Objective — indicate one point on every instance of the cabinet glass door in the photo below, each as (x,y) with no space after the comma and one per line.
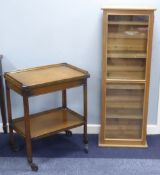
(126,47)
(126,62)
(124,110)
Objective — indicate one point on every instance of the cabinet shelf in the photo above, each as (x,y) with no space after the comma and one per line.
(50,121)
(129,117)
(127,55)
(128,68)
(129,114)
(128,34)
(129,45)
(133,23)
(123,129)
(125,105)
(108,80)
(117,72)
(121,97)
(128,86)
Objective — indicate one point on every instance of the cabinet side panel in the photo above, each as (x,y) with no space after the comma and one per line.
(147,77)
(103,85)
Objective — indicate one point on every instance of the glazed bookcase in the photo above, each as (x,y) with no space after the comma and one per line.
(127,44)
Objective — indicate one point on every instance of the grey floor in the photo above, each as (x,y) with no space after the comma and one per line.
(80,166)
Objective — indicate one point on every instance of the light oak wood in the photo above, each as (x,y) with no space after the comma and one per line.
(135,144)
(127,42)
(136,23)
(123,128)
(124,113)
(128,8)
(125,105)
(126,86)
(124,97)
(103,82)
(137,45)
(148,68)
(128,35)
(121,68)
(124,63)
(129,75)
(115,80)
(127,55)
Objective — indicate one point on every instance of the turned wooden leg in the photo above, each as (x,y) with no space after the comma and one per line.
(64,105)
(85,137)
(13,144)
(2,106)
(28,140)
(64,98)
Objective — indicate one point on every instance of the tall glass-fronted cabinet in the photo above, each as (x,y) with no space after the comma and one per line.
(127,44)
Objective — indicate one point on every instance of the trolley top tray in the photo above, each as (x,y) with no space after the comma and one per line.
(50,74)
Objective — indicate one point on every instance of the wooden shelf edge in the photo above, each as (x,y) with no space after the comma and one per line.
(137,23)
(125,81)
(122,118)
(120,35)
(127,55)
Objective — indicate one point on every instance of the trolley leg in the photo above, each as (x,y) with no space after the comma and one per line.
(12,142)
(68,133)
(64,105)
(28,140)
(64,98)
(85,137)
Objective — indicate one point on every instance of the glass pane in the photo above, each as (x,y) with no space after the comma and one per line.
(126,68)
(124,110)
(127,46)
(134,18)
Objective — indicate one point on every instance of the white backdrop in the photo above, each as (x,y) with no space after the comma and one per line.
(41,32)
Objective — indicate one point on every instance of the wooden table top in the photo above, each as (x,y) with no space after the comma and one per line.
(46,74)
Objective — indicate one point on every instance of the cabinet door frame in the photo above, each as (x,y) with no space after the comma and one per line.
(126,142)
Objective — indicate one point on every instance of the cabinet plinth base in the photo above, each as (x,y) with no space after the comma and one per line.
(122,143)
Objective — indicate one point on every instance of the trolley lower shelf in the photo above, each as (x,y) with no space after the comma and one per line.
(48,122)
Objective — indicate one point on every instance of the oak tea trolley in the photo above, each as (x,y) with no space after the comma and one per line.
(41,80)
